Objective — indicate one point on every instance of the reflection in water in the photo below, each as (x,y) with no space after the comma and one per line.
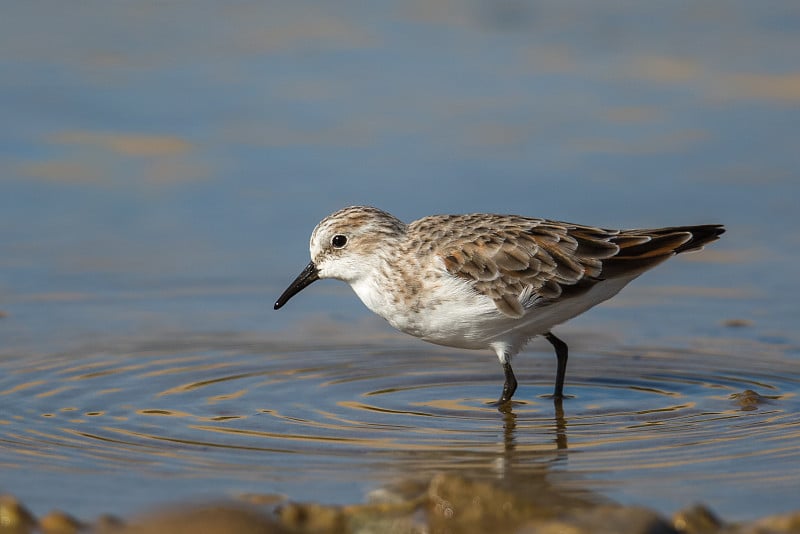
(561,425)
(356,417)
(513,466)
(510,427)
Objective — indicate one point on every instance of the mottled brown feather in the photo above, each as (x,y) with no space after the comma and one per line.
(521,262)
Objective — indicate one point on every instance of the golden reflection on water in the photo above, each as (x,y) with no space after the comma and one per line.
(54,391)
(22,387)
(227,396)
(125,144)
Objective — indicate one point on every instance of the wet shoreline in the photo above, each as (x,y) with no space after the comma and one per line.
(443,504)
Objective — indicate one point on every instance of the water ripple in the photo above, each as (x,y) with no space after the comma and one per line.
(639,416)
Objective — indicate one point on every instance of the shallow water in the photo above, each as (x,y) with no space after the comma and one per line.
(220,415)
(162,168)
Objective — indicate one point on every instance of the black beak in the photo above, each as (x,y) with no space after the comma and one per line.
(309,275)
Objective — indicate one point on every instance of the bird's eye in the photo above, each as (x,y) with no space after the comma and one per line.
(338,241)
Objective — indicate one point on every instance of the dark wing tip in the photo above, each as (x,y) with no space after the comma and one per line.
(637,255)
(701,236)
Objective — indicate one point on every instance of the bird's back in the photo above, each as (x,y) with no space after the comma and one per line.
(522,263)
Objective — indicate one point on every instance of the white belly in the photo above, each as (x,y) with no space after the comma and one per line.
(451,313)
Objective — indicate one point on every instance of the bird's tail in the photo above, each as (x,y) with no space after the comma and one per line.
(693,237)
(642,249)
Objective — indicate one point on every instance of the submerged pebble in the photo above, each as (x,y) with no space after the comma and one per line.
(604,519)
(58,522)
(749,399)
(696,519)
(737,323)
(216,518)
(14,517)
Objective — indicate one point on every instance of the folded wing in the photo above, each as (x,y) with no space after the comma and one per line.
(521,262)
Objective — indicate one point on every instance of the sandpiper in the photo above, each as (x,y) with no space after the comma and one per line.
(482,281)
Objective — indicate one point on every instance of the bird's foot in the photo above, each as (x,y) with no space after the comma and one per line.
(503,405)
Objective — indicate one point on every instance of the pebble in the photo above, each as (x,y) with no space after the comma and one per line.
(447,503)
(14,517)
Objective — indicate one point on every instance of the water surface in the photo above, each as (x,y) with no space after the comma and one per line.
(221,414)
(163,167)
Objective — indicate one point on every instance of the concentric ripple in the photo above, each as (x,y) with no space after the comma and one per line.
(258,416)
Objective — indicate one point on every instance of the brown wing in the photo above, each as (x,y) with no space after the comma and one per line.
(519,262)
(516,261)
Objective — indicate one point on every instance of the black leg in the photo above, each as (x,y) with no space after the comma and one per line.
(510,385)
(561,370)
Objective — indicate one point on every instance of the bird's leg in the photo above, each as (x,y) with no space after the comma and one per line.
(510,385)
(561,370)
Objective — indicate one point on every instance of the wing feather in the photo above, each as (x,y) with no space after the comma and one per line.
(522,262)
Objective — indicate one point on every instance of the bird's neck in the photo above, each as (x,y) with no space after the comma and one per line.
(380,287)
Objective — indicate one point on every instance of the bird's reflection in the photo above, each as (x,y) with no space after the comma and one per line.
(560,424)
(509,429)
(523,465)
(510,426)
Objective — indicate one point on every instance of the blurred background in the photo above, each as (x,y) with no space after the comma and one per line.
(163,164)
(176,157)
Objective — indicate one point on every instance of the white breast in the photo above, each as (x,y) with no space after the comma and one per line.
(448,311)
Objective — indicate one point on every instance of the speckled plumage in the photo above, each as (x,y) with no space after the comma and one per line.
(483,280)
